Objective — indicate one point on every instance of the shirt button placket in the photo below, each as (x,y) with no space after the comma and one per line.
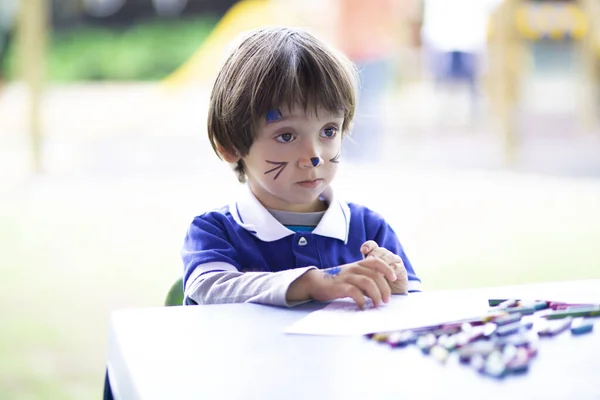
(305,250)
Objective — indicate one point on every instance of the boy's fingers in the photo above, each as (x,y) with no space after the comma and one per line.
(399,269)
(379,265)
(368,247)
(370,289)
(356,295)
(381,282)
(400,286)
(384,287)
(367,286)
(385,255)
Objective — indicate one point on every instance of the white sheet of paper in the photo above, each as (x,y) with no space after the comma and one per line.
(342,317)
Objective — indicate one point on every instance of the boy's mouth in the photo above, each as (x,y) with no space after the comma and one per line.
(310,184)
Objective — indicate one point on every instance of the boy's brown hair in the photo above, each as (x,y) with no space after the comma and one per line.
(270,68)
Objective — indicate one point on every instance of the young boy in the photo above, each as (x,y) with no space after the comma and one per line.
(278,111)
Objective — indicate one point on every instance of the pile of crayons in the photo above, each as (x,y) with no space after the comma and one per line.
(501,343)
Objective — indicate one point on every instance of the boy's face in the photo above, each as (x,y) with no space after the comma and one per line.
(294,157)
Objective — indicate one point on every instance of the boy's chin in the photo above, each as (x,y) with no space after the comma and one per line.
(305,204)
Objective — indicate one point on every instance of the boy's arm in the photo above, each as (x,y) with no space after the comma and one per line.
(286,288)
(212,270)
(224,284)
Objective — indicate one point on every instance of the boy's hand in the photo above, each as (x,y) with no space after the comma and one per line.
(370,249)
(368,277)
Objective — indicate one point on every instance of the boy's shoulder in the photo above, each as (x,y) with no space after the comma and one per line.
(226,217)
(219,221)
(219,211)
(365,219)
(364,213)
(216,215)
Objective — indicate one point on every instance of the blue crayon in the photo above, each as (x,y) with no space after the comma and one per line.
(581,326)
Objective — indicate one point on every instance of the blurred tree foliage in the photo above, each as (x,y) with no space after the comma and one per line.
(146,51)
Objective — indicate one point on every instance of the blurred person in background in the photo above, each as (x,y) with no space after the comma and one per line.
(8,16)
(370,33)
(454,37)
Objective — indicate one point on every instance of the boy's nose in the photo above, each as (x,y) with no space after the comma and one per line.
(311,162)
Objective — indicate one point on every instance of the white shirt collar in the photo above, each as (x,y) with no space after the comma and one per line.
(251,215)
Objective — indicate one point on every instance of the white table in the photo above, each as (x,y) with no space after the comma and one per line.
(238,351)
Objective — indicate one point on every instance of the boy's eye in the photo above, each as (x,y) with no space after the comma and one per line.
(329,132)
(285,137)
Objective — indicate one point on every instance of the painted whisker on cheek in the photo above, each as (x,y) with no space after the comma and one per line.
(280,166)
(336,158)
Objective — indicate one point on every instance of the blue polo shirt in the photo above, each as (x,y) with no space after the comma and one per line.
(244,237)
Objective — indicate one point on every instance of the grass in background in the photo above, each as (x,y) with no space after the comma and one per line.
(66,262)
(147,51)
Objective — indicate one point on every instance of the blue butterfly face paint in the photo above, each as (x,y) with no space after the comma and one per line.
(273,116)
(331,273)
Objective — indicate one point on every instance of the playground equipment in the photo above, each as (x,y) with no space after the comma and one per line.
(31,33)
(245,15)
(516,23)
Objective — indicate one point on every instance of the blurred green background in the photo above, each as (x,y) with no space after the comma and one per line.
(147,51)
(126,165)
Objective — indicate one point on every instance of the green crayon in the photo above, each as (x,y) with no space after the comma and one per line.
(593,311)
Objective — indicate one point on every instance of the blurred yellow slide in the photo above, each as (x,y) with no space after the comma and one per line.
(245,15)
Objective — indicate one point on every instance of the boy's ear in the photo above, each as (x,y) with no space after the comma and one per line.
(230,157)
